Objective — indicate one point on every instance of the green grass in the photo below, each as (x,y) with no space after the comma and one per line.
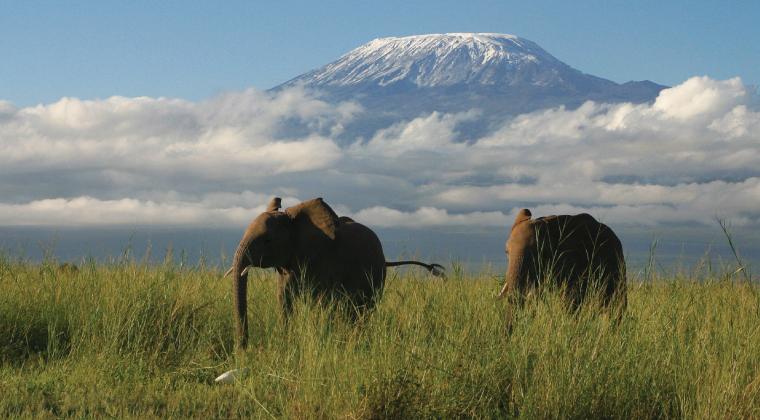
(128,339)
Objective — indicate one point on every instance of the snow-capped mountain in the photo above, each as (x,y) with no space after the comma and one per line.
(401,78)
(442,60)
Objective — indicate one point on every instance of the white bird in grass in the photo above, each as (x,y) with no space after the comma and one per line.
(232,375)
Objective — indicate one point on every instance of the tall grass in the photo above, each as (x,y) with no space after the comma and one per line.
(130,339)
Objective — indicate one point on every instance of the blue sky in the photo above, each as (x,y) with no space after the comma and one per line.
(195,50)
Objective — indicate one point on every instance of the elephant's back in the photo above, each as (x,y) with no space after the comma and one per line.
(580,224)
(361,253)
(359,240)
(584,235)
(604,244)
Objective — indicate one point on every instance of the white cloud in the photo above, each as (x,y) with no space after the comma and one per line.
(170,209)
(739,122)
(693,153)
(702,96)
(429,216)
(228,134)
(425,135)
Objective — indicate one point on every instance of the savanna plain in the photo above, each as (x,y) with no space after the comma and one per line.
(130,338)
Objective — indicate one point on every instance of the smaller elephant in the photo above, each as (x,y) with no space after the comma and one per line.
(578,254)
(312,250)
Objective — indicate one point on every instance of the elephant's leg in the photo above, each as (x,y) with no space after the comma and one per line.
(361,294)
(361,303)
(287,290)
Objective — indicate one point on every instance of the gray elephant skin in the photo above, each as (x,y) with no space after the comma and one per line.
(313,251)
(575,253)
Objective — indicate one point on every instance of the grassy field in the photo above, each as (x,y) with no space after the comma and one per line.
(128,339)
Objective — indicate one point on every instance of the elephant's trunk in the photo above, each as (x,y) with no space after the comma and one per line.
(513,278)
(239,294)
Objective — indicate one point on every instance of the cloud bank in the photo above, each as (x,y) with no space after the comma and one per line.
(692,154)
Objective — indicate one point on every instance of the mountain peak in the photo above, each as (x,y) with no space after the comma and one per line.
(439,60)
(500,75)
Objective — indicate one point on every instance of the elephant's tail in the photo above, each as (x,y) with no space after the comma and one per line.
(435,269)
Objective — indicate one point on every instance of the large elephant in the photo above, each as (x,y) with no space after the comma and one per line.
(577,254)
(311,248)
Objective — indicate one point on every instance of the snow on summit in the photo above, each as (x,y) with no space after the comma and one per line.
(439,60)
(401,78)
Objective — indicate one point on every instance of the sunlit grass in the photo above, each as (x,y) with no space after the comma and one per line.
(129,339)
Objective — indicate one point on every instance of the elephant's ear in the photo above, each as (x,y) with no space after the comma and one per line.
(315,226)
(523,216)
(275,204)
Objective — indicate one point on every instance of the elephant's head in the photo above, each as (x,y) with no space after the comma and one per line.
(288,239)
(522,250)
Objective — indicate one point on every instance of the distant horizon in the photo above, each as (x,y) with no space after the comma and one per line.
(676,249)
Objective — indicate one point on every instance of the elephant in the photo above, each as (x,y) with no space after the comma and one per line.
(576,253)
(312,250)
